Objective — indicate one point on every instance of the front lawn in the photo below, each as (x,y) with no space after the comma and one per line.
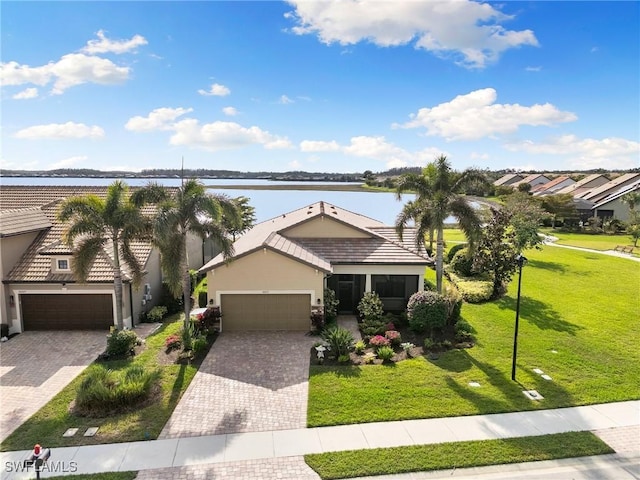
(586,240)
(419,458)
(48,424)
(577,323)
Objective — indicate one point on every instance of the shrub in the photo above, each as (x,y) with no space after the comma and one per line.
(187,335)
(462,263)
(199,344)
(429,285)
(463,331)
(446,344)
(453,300)
(172,342)
(429,343)
(476,290)
(157,313)
(385,353)
(344,358)
(121,342)
(426,311)
(455,249)
(373,327)
(379,341)
(368,357)
(339,340)
(393,336)
(359,347)
(330,305)
(103,390)
(202,299)
(370,306)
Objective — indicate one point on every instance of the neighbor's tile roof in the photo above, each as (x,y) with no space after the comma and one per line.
(25,220)
(36,262)
(381,246)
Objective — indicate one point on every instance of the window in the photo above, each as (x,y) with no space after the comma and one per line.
(389,285)
(63,264)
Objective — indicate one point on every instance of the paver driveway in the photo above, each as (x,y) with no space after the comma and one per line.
(35,366)
(249,381)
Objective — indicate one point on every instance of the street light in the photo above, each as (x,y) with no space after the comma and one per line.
(521,259)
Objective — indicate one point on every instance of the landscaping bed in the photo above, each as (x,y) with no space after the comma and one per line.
(140,421)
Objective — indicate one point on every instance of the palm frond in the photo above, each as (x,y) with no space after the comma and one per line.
(84,256)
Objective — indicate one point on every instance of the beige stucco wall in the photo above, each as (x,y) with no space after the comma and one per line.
(264,271)
(324,227)
(154,278)
(11,249)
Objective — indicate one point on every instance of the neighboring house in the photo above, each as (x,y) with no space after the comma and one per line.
(587,183)
(39,291)
(598,194)
(552,187)
(508,180)
(613,206)
(282,266)
(533,180)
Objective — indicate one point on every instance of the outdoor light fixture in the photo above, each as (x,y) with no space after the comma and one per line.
(521,260)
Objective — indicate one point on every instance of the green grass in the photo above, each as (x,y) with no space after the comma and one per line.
(99,476)
(390,461)
(48,424)
(582,305)
(585,240)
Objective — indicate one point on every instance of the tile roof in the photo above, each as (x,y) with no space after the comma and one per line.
(36,262)
(551,186)
(19,221)
(382,244)
(582,185)
(508,179)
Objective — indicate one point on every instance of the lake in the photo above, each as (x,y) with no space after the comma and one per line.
(381,206)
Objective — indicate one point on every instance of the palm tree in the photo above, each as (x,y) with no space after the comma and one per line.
(437,197)
(96,224)
(188,210)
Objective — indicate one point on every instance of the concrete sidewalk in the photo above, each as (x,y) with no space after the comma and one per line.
(217,449)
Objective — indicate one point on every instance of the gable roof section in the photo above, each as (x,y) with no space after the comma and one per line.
(584,183)
(551,186)
(20,221)
(35,263)
(322,252)
(618,193)
(601,192)
(508,179)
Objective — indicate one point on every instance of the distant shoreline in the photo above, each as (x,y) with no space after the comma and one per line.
(294,186)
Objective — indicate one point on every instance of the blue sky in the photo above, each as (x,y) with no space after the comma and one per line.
(320,86)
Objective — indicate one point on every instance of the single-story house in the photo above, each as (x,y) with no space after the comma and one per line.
(508,180)
(39,291)
(534,179)
(587,183)
(282,266)
(553,186)
(598,194)
(613,206)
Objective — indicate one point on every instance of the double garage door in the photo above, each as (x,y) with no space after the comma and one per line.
(66,312)
(244,312)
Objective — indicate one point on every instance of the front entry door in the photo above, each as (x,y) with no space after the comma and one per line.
(345,295)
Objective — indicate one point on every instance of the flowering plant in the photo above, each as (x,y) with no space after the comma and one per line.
(393,336)
(379,341)
(172,342)
(390,326)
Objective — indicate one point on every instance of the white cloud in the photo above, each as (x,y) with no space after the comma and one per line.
(68,162)
(26,94)
(479,156)
(230,111)
(533,69)
(476,115)
(585,153)
(284,100)
(216,90)
(319,146)
(469,32)
(72,69)
(223,135)
(158,119)
(106,45)
(54,131)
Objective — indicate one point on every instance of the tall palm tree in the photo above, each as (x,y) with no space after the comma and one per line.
(189,209)
(437,197)
(95,224)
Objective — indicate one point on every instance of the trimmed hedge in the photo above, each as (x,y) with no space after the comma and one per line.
(473,290)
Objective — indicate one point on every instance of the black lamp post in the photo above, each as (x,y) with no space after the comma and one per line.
(521,261)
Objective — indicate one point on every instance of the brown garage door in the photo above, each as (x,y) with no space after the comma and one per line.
(265,312)
(66,312)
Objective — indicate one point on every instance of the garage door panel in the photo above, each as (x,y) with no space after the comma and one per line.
(244,312)
(66,312)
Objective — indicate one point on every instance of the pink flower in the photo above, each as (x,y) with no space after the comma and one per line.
(379,341)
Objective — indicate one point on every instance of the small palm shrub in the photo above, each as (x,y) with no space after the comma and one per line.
(104,390)
(426,311)
(121,342)
(359,347)
(385,353)
(370,306)
(339,340)
(186,335)
(453,300)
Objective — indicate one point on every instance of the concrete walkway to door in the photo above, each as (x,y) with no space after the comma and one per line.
(249,382)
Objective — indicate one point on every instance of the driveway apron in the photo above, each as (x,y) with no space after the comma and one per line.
(249,381)
(35,366)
